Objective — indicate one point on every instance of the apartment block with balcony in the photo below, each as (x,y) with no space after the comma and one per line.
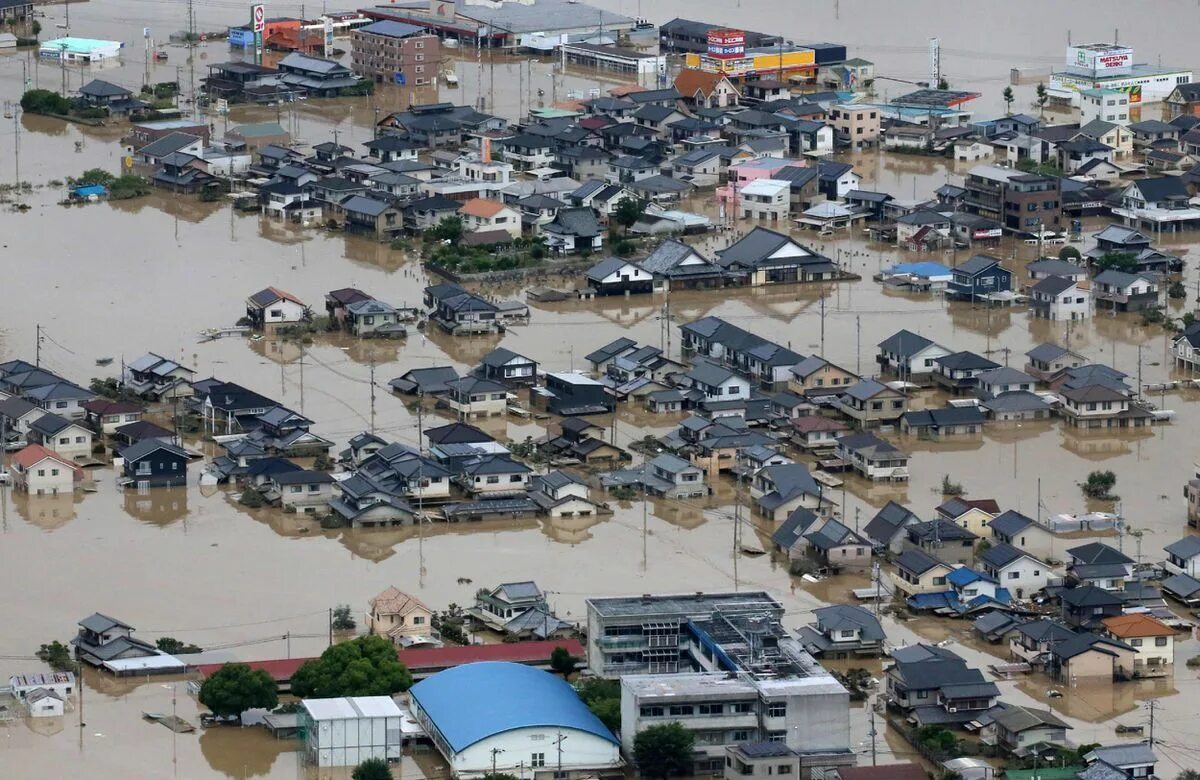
(389,51)
(1021,202)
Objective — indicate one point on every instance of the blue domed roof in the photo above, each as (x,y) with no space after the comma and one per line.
(475,701)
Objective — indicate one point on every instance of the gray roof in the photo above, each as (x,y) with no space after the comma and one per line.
(579,222)
(1098,552)
(1045,630)
(499,356)
(865,389)
(1000,555)
(710,374)
(1123,756)
(753,248)
(917,561)
(1182,586)
(950,415)
(834,534)
(147,446)
(665,259)
(1046,352)
(850,616)
(1005,375)
(1053,285)
(98,87)
(904,343)
(1187,547)
(793,528)
(1014,401)
(889,521)
(1017,719)
(961,361)
(363,204)
(168,144)
(605,267)
(1009,523)
(977,264)
(99,623)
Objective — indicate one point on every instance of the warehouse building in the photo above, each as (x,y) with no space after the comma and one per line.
(497,717)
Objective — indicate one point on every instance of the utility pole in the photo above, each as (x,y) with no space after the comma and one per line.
(331,626)
(17,146)
(872,733)
(822,321)
(37,359)
(875,572)
(495,751)
(561,736)
(1152,705)
(191,10)
(857,345)
(372,395)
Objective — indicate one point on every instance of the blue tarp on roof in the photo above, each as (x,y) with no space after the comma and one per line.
(920,269)
(88,190)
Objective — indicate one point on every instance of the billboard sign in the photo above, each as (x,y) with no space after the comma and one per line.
(979,235)
(258,15)
(328,37)
(1101,59)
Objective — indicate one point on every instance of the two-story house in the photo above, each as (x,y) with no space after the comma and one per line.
(873,458)
(1099,564)
(843,631)
(1085,607)
(778,490)
(507,367)
(919,572)
(1152,640)
(718,383)
(869,404)
(1120,291)
(910,357)
(399,617)
(475,397)
(979,278)
(1183,556)
(1015,529)
(958,371)
(933,685)
(1016,570)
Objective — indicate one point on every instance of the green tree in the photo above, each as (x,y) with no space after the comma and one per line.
(343,618)
(58,656)
(96,176)
(1188,774)
(943,84)
(35,28)
(372,769)
(1007,94)
(1176,291)
(366,666)
(663,751)
(627,213)
(1099,484)
(1042,97)
(43,101)
(235,688)
(1069,254)
(172,646)
(1117,261)
(449,229)
(936,739)
(562,662)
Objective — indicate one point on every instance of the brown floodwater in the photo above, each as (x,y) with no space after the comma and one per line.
(124,278)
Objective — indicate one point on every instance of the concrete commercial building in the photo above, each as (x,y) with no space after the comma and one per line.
(752,682)
(505,717)
(644,634)
(347,731)
(1021,202)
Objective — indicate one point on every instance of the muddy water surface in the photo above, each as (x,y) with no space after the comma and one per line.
(124,278)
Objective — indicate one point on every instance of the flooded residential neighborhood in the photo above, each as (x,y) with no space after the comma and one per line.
(548,389)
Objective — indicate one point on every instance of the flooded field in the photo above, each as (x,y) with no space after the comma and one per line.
(124,278)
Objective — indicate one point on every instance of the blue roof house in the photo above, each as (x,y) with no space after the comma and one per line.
(506,717)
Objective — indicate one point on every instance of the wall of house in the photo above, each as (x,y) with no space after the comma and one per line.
(283,311)
(486,407)
(1149,653)
(41,479)
(306,498)
(71,443)
(1090,665)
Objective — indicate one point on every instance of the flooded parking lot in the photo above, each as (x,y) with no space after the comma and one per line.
(119,279)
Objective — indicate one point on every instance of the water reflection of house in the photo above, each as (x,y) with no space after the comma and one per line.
(160,507)
(47,512)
